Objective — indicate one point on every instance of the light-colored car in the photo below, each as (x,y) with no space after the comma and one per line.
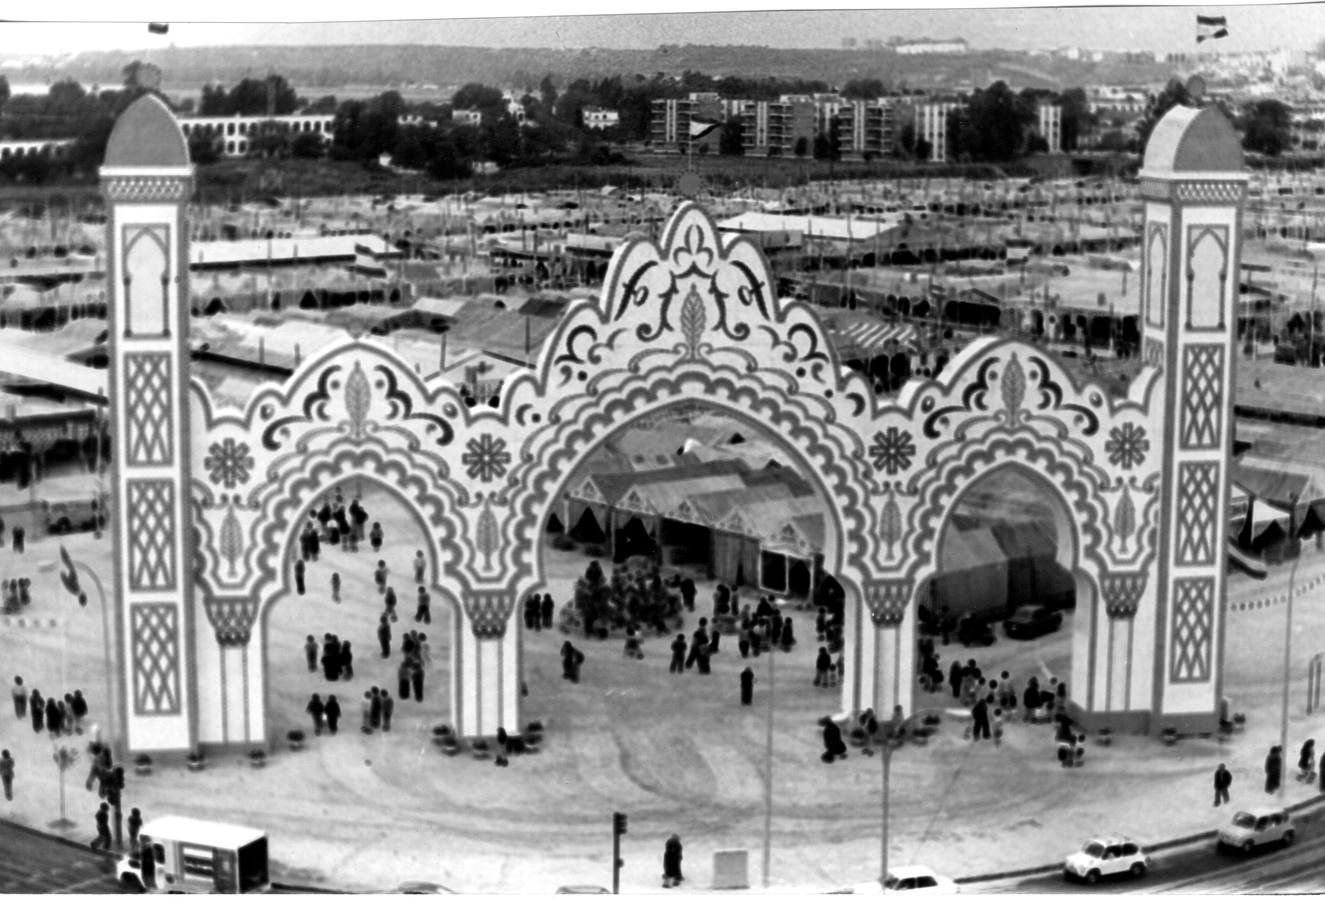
(1102,857)
(906,880)
(1257,827)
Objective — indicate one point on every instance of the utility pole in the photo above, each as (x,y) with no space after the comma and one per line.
(618,829)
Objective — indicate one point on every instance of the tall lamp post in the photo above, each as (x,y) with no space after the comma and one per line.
(1288,638)
(69,578)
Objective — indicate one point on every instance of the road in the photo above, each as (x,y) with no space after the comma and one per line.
(1199,868)
(33,863)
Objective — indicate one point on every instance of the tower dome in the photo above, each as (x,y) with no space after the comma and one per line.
(146,134)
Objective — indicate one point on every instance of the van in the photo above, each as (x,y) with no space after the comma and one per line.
(197,857)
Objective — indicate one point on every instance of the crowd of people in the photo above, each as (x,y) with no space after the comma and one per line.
(337,524)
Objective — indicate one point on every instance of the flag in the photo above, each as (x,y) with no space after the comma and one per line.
(699,128)
(158,27)
(1210,27)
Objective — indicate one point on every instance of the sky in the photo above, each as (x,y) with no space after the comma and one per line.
(1032,25)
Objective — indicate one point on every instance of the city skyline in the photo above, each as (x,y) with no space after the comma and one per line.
(1166,28)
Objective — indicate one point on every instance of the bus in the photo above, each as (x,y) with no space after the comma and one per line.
(196,857)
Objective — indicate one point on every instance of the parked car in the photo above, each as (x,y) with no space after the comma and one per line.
(1257,827)
(906,880)
(1032,620)
(1102,857)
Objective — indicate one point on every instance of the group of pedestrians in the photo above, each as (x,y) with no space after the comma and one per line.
(15,593)
(55,716)
(538,610)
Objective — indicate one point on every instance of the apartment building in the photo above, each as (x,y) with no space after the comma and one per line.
(931,125)
(776,127)
(867,129)
(1049,125)
(669,125)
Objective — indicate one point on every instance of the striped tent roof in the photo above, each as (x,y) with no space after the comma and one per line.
(870,338)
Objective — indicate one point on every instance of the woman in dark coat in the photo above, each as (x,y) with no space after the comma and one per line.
(332,711)
(834,746)
(346,661)
(1274,769)
(316,710)
(672,862)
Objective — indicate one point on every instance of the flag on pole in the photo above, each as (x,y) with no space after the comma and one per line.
(699,128)
(1210,28)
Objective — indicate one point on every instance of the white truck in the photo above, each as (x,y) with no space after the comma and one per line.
(191,856)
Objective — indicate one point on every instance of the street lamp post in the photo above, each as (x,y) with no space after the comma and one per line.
(70,578)
(768,770)
(1288,643)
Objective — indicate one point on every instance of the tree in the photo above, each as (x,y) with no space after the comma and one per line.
(802,147)
(1078,120)
(547,94)
(322,105)
(307,145)
(1174,94)
(258,97)
(863,89)
(998,121)
(1267,127)
(486,99)
(203,149)
(4,91)
(730,138)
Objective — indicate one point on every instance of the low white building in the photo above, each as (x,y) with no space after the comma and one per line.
(57,148)
(600,119)
(234,134)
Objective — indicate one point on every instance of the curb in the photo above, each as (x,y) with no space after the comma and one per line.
(1170,844)
(68,842)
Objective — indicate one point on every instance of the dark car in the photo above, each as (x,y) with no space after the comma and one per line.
(1032,621)
(971,630)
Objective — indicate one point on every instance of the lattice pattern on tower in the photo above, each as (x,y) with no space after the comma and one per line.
(1197,522)
(1193,625)
(1202,395)
(148,415)
(151,534)
(154,632)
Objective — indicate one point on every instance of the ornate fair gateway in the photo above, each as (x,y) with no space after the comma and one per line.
(208,502)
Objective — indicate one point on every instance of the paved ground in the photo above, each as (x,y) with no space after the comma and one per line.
(676,753)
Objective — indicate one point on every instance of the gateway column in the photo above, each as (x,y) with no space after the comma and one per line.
(146,181)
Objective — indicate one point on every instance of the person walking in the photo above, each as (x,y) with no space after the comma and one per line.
(822,663)
(389,604)
(1274,768)
(310,652)
(7,774)
(317,710)
(102,840)
(135,824)
(1306,762)
(366,708)
(379,576)
(78,706)
(38,707)
(147,862)
(546,609)
(834,747)
(331,709)
(420,567)
(747,686)
(672,862)
(375,712)
(422,612)
(19,534)
(678,655)
(1223,781)
(416,680)
(375,537)
(980,720)
(388,707)
(346,662)
(299,568)
(20,695)
(335,587)
(384,635)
